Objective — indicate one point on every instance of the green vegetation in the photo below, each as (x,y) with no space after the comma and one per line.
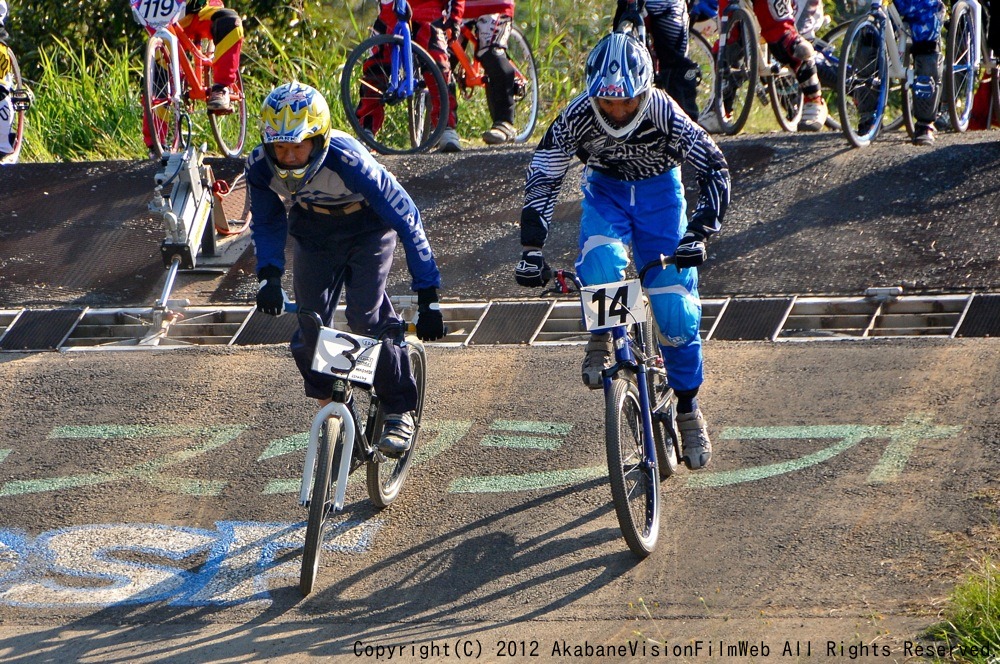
(972,617)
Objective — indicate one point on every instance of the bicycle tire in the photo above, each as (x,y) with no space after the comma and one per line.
(164,121)
(385,480)
(700,53)
(786,98)
(526,93)
(862,75)
(635,485)
(906,98)
(397,133)
(736,74)
(828,49)
(17,121)
(230,129)
(961,76)
(319,503)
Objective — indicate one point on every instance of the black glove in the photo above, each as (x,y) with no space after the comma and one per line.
(532,270)
(691,251)
(430,322)
(270,296)
(449,26)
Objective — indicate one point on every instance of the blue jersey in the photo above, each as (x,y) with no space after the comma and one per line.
(349,174)
(664,139)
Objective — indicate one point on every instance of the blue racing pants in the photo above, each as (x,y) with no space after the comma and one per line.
(650,215)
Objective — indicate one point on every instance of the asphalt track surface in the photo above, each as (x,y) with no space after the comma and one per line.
(150,513)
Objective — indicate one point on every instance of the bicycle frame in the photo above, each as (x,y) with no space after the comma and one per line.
(472,69)
(625,359)
(396,90)
(182,69)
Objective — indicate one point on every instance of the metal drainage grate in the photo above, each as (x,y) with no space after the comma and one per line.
(752,319)
(40,329)
(510,323)
(982,318)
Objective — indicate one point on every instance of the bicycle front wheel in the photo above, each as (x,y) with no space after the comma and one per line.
(319,503)
(381,116)
(786,98)
(827,57)
(386,479)
(736,71)
(661,397)
(700,53)
(12,79)
(961,73)
(230,129)
(635,484)
(862,82)
(161,118)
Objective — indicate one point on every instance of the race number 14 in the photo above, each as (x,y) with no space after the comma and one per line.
(611,305)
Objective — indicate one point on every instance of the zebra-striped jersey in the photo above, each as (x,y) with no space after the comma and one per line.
(664,139)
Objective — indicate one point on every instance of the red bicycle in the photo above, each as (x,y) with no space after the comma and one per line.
(177,76)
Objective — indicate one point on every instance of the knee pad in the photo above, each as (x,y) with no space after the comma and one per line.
(791,50)
(673,296)
(603,260)
(225,21)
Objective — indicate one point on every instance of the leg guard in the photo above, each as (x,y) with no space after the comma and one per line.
(926,86)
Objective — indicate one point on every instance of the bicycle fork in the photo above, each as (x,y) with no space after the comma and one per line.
(333,409)
(625,358)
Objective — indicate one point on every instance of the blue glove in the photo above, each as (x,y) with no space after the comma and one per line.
(271,297)
(532,270)
(691,251)
(430,322)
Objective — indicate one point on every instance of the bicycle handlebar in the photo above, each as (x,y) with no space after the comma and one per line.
(388,330)
(565,282)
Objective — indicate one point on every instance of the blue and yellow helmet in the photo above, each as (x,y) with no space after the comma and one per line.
(295,113)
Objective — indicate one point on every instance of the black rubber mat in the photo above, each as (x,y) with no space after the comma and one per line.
(264,329)
(40,329)
(751,319)
(982,318)
(510,323)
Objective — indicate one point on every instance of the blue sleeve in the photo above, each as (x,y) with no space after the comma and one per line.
(362,174)
(268,219)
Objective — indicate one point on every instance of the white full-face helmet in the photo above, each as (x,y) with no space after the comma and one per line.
(619,67)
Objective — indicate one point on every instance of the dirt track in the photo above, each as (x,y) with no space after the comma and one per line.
(852,482)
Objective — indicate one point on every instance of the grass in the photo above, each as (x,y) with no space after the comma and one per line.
(972,617)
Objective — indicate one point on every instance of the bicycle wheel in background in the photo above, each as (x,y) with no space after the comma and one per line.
(828,49)
(786,98)
(397,134)
(230,129)
(635,485)
(961,74)
(736,71)
(862,82)
(526,85)
(319,502)
(386,479)
(164,122)
(700,53)
(12,78)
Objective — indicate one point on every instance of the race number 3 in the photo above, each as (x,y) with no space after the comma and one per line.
(611,305)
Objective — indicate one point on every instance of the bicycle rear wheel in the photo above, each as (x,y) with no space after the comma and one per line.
(736,71)
(390,124)
(961,74)
(163,120)
(635,484)
(786,98)
(319,502)
(525,86)
(230,129)
(700,53)
(11,78)
(862,82)
(386,479)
